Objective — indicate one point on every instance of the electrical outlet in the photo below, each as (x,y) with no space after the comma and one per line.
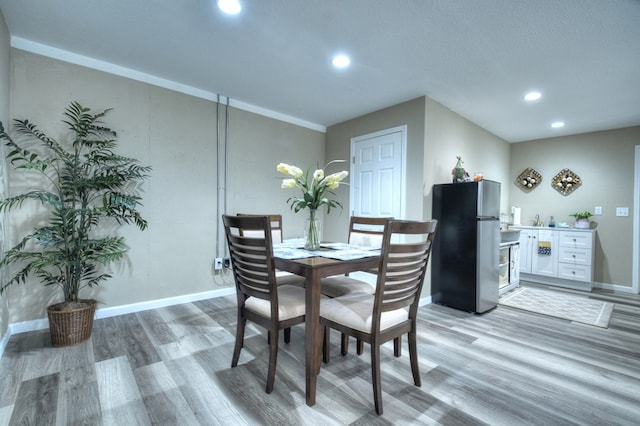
(598,210)
(218,264)
(622,211)
(226,262)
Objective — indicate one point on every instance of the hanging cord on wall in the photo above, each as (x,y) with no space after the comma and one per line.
(218,213)
(226,143)
(221,179)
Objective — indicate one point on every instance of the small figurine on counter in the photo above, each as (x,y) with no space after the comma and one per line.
(459,173)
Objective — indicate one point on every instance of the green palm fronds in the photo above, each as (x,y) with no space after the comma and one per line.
(87,182)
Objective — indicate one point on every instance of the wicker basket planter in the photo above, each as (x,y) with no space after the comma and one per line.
(71,323)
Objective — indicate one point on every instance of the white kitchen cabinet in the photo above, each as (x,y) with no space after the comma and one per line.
(541,263)
(527,238)
(576,256)
(530,261)
(569,263)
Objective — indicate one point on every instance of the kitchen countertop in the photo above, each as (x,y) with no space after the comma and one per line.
(550,228)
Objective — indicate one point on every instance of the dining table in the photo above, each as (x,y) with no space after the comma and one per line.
(314,267)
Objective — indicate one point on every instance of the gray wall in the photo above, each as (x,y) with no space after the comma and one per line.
(436,135)
(176,135)
(605,162)
(338,145)
(255,151)
(4,118)
(448,135)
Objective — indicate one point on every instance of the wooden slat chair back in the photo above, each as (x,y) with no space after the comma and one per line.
(367,231)
(260,299)
(392,310)
(283,278)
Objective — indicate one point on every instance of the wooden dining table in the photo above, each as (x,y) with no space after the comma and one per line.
(314,269)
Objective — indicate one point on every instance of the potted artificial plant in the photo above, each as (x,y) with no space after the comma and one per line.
(83,185)
(582,219)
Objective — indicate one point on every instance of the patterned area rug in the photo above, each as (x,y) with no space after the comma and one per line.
(567,306)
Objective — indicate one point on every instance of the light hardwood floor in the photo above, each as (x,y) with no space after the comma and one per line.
(171,366)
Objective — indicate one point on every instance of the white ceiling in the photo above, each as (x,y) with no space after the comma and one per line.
(476,57)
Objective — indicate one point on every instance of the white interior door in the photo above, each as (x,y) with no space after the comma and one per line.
(378,163)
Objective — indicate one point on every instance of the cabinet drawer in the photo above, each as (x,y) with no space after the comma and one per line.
(574,256)
(575,239)
(574,272)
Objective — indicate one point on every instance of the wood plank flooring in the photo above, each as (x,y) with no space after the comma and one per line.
(171,366)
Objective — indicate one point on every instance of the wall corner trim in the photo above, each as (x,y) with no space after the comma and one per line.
(97,64)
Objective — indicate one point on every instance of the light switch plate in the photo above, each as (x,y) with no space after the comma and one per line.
(622,211)
(598,210)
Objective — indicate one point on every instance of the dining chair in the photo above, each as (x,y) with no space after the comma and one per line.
(283,277)
(392,310)
(364,232)
(260,299)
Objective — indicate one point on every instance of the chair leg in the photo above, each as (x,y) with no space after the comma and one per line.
(239,341)
(360,346)
(326,345)
(375,376)
(413,357)
(287,335)
(344,344)
(273,357)
(397,346)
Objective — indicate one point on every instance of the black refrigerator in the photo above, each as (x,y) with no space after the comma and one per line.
(464,261)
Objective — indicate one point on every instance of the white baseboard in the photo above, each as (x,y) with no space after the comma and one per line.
(557,282)
(425,301)
(614,287)
(3,342)
(43,323)
(161,303)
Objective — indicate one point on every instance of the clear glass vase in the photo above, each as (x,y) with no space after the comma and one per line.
(312,233)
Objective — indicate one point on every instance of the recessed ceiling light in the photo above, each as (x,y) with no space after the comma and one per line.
(532,96)
(341,61)
(231,7)
(557,124)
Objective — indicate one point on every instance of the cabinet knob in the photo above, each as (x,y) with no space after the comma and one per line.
(574,256)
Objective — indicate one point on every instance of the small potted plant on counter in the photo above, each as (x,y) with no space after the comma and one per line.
(582,219)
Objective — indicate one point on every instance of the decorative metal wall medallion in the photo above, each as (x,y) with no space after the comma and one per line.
(566,181)
(528,179)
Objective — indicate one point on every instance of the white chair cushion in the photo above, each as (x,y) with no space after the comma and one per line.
(287,278)
(356,311)
(290,303)
(276,234)
(341,285)
(365,240)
